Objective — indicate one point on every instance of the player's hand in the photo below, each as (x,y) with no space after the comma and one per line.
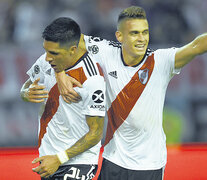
(49,165)
(65,86)
(35,93)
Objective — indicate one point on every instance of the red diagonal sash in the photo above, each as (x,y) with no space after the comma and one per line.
(50,110)
(52,103)
(126,99)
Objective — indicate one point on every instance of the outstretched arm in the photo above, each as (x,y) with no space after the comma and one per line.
(186,53)
(32,92)
(50,164)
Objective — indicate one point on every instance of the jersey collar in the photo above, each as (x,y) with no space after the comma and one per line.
(80,59)
(122,58)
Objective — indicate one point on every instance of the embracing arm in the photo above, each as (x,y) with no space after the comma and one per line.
(65,87)
(49,164)
(186,53)
(66,83)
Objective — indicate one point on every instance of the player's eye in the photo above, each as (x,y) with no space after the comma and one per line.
(134,32)
(53,53)
(145,32)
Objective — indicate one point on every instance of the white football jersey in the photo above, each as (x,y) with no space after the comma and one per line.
(135,98)
(61,124)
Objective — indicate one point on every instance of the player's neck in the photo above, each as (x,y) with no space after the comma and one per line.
(131,60)
(81,44)
(75,58)
(79,53)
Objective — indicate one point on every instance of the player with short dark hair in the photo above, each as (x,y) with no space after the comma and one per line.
(132,12)
(69,134)
(63,30)
(136,80)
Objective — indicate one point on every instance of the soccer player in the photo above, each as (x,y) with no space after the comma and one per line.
(69,134)
(136,81)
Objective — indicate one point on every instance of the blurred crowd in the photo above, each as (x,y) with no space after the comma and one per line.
(171,21)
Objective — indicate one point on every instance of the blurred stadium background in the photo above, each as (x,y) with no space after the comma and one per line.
(172,23)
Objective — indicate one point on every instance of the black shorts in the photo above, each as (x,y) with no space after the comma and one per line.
(74,172)
(111,171)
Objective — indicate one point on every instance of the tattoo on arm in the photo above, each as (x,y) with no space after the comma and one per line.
(90,139)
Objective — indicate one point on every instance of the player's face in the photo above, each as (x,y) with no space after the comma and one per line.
(134,37)
(60,58)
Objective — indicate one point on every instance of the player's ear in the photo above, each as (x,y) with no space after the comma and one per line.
(73,50)
(119,36)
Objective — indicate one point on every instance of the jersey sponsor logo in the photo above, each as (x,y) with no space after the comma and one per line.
(143,75)
(113,74)
(94,49)
(99,107)
(98,96)
(36,69)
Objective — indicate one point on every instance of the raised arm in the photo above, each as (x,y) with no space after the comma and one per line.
(186,53)
(50,164)
(32,92)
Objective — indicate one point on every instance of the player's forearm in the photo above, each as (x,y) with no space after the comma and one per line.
(85,143)
(24,90)
(188,52)
(200,44)
(90,139)
(23,95)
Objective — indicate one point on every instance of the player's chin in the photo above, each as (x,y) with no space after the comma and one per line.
(57,70)
(140,53)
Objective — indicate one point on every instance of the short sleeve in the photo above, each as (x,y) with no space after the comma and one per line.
(165,62)
(93,96)
(37,70)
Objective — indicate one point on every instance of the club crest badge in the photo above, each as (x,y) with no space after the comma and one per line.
(94,49)
(36,69)
(143,75)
